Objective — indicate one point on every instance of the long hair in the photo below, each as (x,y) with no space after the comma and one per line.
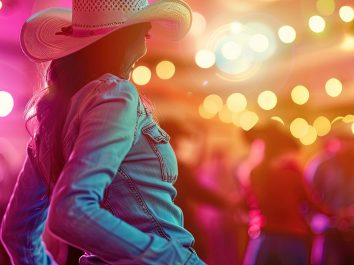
(47,109)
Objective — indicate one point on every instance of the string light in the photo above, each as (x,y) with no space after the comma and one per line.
(259,43)
(236,118)
(278,119)
(165,70)
(346,13)
(6,103)
(236,27)
(212,104)
(326,7)
(236,102)
(317,24)
(299,127)
(287,34)
(310,137)
(300,95)
(348,118)
(334,87)
(205,58)
(347,43)
(204,114)
(322,125)
(267,100)
(231,50)
(248,120)
(141,75)
(225,115)
(198,24)
(338,118)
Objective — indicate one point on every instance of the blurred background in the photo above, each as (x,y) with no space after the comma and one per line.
(246,70)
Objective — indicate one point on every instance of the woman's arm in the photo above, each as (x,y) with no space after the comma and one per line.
(106,135)
(25,216)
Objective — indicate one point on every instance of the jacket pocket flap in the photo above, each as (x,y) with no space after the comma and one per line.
(156,133)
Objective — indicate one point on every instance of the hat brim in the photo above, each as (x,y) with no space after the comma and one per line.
(39,41)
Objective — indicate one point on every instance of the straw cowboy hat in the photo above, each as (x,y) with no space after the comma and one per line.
(56,32)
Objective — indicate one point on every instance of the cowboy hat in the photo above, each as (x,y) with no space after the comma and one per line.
(56,32)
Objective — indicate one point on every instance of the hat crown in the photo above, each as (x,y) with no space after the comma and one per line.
(95,14)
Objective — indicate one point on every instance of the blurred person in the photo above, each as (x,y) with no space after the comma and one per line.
(216,221)
(276,197)
(7,181)
(331,174)
(242,174)
(99,170)
(188,141)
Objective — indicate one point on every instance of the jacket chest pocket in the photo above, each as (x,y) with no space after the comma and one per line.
(159,142)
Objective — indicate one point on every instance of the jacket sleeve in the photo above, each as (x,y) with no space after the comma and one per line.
(25,217)
(106,135)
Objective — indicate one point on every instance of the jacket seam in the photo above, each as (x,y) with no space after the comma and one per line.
(160,158)
(152,144)
(140,200)
(136,124)
(106,203)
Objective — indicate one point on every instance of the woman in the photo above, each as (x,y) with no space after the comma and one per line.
(98,165)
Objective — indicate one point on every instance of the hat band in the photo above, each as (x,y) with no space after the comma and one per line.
(75,32)
(91,32)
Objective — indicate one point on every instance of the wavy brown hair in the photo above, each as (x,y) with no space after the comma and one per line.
(47,110)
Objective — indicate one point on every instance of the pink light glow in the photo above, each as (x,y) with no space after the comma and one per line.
(6,103)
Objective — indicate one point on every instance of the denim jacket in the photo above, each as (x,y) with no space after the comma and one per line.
(114,196)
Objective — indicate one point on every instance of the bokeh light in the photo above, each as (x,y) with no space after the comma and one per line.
(278,119)
(259,43)
(233,56)
(6,103)
(242,66)
(231,50)
(310,137)
(205,58)
(300,94)
(348,118)
(317,24)
(353,127)
(204,114)
(287,34)
(236,118)
(248,119)
(261,40)
(322,125)
(240,49)
(267,100)
(326,7)
(198,24)
(236,102)
(299,127)
(236,27)
(334,87)
(141,75)
(212,104)
(225,115)
(338,118)
(165,70)
(1,5)
(346,13)
(347,43)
